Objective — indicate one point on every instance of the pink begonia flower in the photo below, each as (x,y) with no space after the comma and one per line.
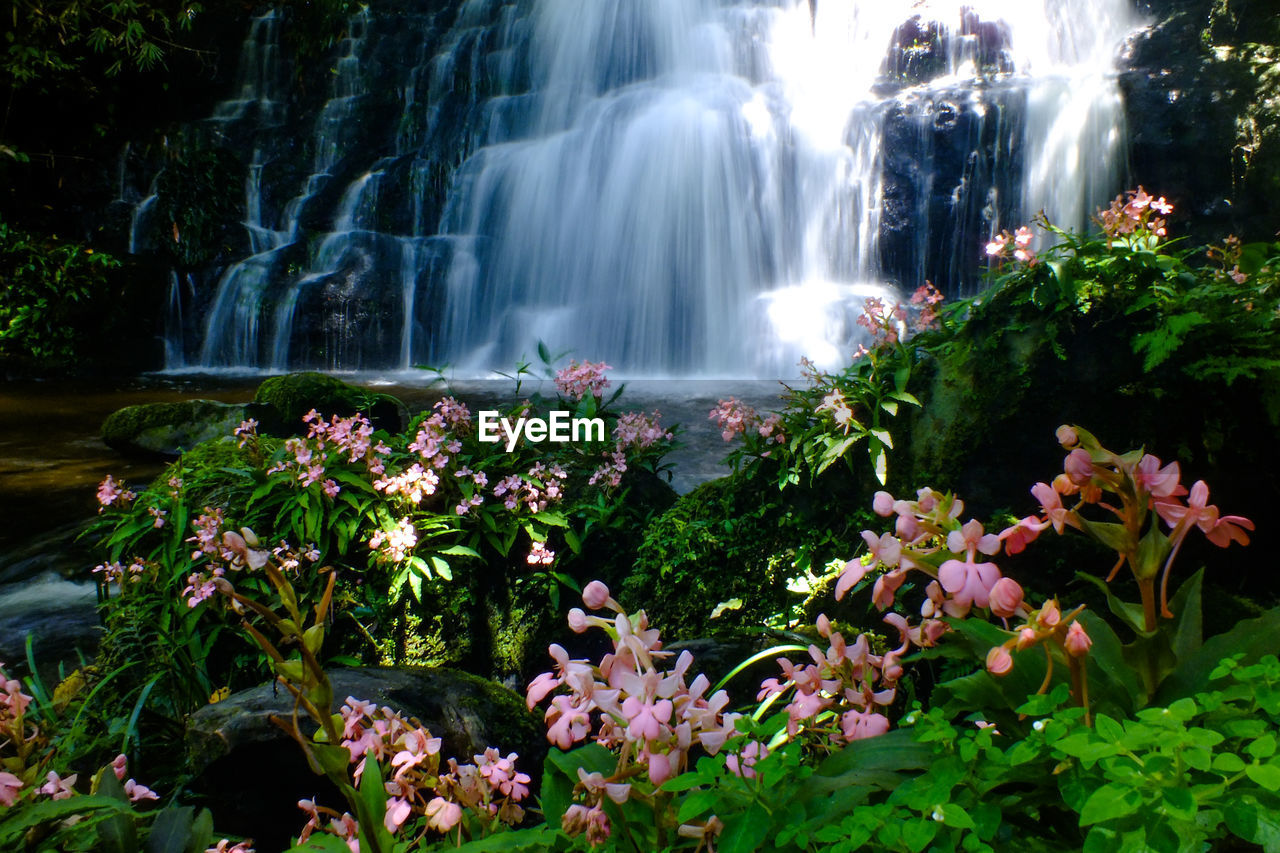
(137,793)
(1077,642)
(969,583)
(595,595)
(885,549)
(57,787)
(1160,482)
(1078,466)
(397,813)
(660,769)
(744,765)
(857,725)
(1051,504)
(9,787)
(1005,598)
(886,586)
(225,846)
(972,538)
(854,571)
(1017,537)
(999,661)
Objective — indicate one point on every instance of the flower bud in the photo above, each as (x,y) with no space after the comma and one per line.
(1078,466)
(1027,638)
(595,595)
(882,503)
(578,622)
(1049,615)
(1005,597)
(1077,642)
(1067,436)
(999,661)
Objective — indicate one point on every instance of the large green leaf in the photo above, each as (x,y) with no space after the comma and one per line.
(170,831)
(1252,638)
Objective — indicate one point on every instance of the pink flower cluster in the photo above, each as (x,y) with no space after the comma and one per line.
(578,380)
(1016,244)
(1133,214)
(925,299)
(537,488)
(225,549)
(113,493)
(350,438)
(638,431)
(396,544)
(734,417)
(884,322)
(491,788)
(846,680)
(648,715)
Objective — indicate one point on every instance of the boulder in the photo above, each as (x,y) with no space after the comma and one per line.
(293,395)
(253,774)
(165,430)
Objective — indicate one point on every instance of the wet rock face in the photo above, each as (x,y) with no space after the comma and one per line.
(1202,99)
(951,169)
(253,774)
(166,429)
(922,50)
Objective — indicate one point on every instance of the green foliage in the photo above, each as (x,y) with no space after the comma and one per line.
(51,289)
(736,538)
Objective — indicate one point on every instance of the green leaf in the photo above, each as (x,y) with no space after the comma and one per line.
(1109,802)
(170,830)
(442,568)
(201,836)
(696,804)
(1252,638)
(1227,762)
(745,831)
(955,816)
(1179,803)
(1266,775)
(917,834)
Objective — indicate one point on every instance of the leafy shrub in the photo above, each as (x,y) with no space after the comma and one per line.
(49,285)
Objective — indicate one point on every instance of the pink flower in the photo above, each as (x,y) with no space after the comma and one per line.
(882,504)
(854,571)
(969,583)
(1017,537)
(398,810)
(885,549)
(1051,505)
(120,765)
(882,594)
(1078,466)
(579,380)
(999,661)
(58,788)
(857,725)
(1077,642)
(443,815)
(595,595)
(9,787)
(137,793)
(1005,598)
(1160,482)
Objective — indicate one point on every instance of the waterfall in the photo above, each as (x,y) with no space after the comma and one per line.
(676,187)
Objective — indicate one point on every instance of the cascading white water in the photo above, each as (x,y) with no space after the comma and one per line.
(676,187)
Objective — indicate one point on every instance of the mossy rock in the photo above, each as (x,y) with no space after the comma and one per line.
(295,394)
(223,739)
(167,429)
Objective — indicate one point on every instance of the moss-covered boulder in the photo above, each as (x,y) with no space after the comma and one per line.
(167,429)
(295,394)
(253,774)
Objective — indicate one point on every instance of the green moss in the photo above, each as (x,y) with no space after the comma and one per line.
(168,428)
(295,394)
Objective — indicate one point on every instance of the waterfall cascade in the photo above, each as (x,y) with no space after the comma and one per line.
(676,187)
